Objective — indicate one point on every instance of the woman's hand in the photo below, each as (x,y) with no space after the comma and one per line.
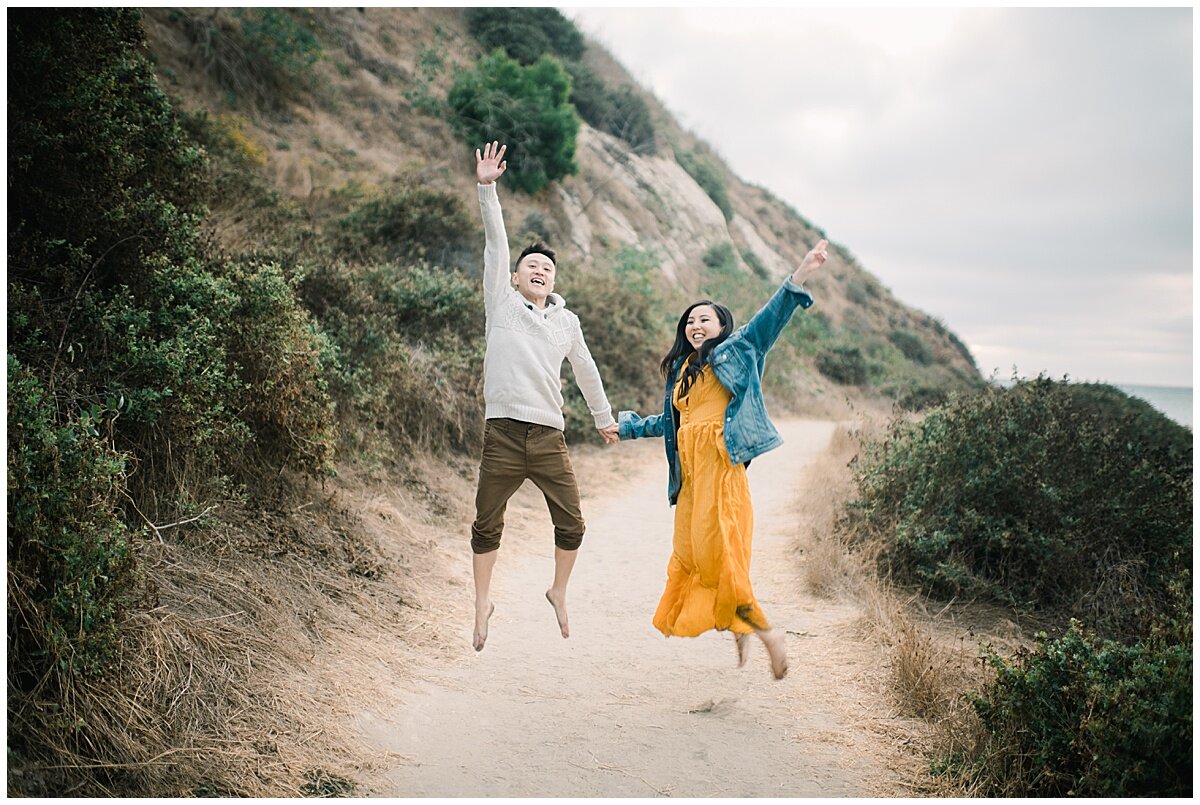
(812,262)
(488,167)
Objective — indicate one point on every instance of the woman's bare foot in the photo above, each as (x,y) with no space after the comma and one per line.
(777,649)
(559,602)
(481,627)
(743,648)
(743,642)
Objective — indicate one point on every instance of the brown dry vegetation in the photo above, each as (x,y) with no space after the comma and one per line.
(931,654)
(241,674)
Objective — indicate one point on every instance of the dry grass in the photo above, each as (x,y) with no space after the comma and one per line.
(827,564)
(931,655)
(242,670)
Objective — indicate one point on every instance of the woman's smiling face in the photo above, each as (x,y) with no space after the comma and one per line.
(702,324)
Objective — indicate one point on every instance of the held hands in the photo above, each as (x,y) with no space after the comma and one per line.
(611,434)
(488,167)
(812,262)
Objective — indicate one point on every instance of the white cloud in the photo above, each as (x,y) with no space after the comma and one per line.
(972,159)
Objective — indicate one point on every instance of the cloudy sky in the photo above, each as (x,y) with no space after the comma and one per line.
(1025,175)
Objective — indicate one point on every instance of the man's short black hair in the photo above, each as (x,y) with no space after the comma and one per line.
(540,247)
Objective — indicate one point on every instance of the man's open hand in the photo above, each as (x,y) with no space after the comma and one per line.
(488,165)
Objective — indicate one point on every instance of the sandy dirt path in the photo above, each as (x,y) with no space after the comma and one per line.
(619,710)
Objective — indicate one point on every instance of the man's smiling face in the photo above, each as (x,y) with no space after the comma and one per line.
(534,278)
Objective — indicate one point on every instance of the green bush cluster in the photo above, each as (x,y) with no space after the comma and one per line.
(1065,497)
(1067,501)
(258,55)
(279,356)
(911,345)
(407,370)
(430,64)
(845,365)
(627,347)
(1085,717)
(526,34)
(756,265)
(710,181)
(620,112)
(410,223)
(70,563)
(525,107)
(275,36)
(129,344)
(922,397)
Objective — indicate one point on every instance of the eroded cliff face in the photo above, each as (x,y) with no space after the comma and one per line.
(361,123)
(645,201)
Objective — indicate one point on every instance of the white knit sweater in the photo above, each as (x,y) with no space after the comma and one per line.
(525,345)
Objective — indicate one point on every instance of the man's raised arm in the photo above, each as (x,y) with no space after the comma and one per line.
(490,166)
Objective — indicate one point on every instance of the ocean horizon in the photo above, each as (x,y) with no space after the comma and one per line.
(1174,401)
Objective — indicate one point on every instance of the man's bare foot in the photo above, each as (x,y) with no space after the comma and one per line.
(777,649)
(743,648)
(481,628)
(560,612)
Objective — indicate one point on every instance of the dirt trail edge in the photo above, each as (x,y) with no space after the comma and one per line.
(619,710)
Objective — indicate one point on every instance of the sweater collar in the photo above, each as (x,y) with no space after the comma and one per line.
(554,303)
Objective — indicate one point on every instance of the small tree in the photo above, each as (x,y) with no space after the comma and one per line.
(526,34)
(525,107)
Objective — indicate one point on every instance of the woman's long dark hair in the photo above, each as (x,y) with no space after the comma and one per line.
(682,348)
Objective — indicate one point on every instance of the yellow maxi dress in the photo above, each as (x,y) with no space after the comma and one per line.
(708,575)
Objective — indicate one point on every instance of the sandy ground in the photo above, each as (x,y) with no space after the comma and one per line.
(619,710)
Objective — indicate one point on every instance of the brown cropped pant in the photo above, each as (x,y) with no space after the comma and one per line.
(512,452)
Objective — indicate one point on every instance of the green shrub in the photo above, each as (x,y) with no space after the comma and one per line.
(525,107)
(920,398)
(69,560)
(99,172)
(430,65)
(756,265)
(589,95)
(912,346)
(526,34)
(710,181)
(620,112)
(627,347)
(843,364)
(862,289)
(409,352)
(631,121)
(941,329)
(118,298)
(410,223)
(259,55)
(1024,496)
(275,36)
(1082,717)
(720,259)
(279,358)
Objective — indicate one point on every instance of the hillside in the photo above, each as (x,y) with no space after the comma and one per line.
(366,115)
(244,350)
(244,420)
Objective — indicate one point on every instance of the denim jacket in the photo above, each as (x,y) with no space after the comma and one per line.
(738,364)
